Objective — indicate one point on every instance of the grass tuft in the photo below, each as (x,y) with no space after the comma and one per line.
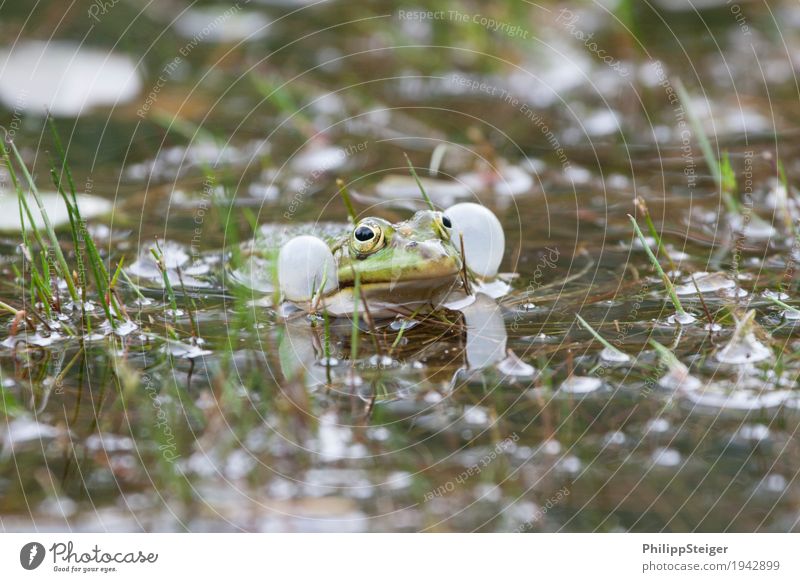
(61,262)
(158,255)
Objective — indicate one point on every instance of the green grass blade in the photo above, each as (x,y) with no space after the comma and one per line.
(51,233)
(670,287)
(345,194)
(600,338)
(356,329)
(419,183)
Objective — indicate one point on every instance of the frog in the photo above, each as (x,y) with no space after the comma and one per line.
(436,259)
(432,259)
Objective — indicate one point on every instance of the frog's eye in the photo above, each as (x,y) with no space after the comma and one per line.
(443,225)
(367,238)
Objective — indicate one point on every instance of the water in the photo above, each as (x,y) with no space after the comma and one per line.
(215,417)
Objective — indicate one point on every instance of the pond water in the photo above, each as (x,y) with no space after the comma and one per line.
(201,125)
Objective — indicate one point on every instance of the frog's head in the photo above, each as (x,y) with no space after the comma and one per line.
(416,253)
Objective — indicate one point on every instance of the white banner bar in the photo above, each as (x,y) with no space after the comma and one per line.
(390,557)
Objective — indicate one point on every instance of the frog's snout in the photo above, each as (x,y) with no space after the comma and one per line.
(440,253)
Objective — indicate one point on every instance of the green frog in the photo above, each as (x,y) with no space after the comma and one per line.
(414,264)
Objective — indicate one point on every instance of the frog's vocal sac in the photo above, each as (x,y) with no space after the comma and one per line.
(422,261)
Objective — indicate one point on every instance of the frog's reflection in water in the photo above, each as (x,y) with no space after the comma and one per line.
(442,346)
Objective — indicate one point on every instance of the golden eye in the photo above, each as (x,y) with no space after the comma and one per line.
(367,238)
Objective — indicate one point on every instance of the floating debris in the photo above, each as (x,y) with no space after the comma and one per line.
(175,257)
(666,457)
(580,385)
(551,447)
(109,443)
(716,397)
(791,314)
(774,483)
(506,180)
(64,78)
(614,356)
(513,366)
(90,207)
(120,328)
(744,347)
(497,288)
(779,295)
(570,464)
(41,339)
(753,432)
(609,352)
(658,425)
(684,318)
(222,24)
(173,162)
(25,431)
(318,159)
(706,283)
(752,226)
(402,187)
(690,5)
(187,351)
(677,376)
(403,323)
(476,415)
(615,439)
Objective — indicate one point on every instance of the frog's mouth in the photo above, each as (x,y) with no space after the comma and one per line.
(386,298)
(415,284)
